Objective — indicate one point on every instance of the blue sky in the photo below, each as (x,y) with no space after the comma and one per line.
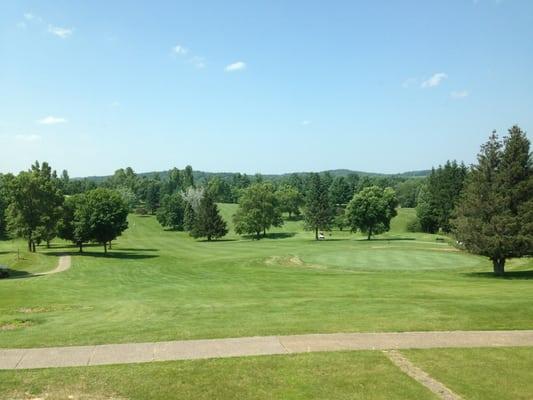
(271,86)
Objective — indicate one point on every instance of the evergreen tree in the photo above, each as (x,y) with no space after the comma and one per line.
(425,212)
(371,210)
(189,217)
(318,210)
(340,191)
(187,178)
(494,217)
(209,222)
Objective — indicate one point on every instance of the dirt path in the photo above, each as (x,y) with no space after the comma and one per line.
(420,376)
(63,264)
(253,346)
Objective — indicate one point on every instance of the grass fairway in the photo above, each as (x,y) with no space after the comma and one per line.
(481,374)
(356,375)
(161,285)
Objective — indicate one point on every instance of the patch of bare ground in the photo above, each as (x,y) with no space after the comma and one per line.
(291,261)
(15,324)
(419,375)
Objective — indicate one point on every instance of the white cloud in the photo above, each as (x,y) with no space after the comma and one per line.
(460,94)
(180,50)
(434,81)
(63,33)
(114,104)
(29,16)
(51,120)
(306,122)
(236,66)
(28,138)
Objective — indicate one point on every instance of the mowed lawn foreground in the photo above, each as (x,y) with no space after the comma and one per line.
(161,285)
(480,374)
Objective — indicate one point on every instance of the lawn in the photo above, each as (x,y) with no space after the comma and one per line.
(162,285)
(356,375)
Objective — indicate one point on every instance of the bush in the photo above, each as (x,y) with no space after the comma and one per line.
(414,225)
(4,272)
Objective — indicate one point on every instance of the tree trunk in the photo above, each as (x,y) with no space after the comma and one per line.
(110,245)
(29,245)
(498,265)
(80,244)
(316,233)
(33,246)
(369,234)
(208,238)
(105,247)
(47,244)
(264,232)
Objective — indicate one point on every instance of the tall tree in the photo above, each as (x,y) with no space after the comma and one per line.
(494,217)
(35,201)
(371,210)
(106,214)
(258,210)
(425,212)
(187,178)
(340,191)
(318,211)
(208,221)
(189,217)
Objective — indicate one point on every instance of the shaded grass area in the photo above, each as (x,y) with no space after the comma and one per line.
(162,285)
(482,373)
(355,375)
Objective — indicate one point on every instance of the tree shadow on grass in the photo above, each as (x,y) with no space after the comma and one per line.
(216,240)
(385,239)
(119,254)
(509,275)
(271,235)
(17,274)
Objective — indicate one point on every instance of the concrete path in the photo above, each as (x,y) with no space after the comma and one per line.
(63,264)
(253,346)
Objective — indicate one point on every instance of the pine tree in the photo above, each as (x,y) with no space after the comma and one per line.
(208,222)
(189,217)
(495,215)
(318,211)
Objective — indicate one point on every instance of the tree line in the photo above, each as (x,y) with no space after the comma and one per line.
(33,206)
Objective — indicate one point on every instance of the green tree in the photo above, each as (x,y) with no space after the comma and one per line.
(444,187)
(258,210)
(425,213)
(494,217)
(153,192)
(208,221)
(290,200)
(35,201)
(318,211)
(189,217)
(371,210)
(187,177)
(407,192)
(170,214)
(340,191)
(106,214)
(74,224)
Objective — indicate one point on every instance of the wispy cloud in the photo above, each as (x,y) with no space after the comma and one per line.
(114,104)
(434,80)
(460,94)
(180,50)
(28,138)
(306,122)
(236,66)
(63,33)
(51,120)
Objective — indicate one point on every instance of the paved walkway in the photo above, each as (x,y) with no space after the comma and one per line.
(253,346)
(63,264)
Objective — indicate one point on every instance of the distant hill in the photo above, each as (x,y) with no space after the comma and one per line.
(200,176)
